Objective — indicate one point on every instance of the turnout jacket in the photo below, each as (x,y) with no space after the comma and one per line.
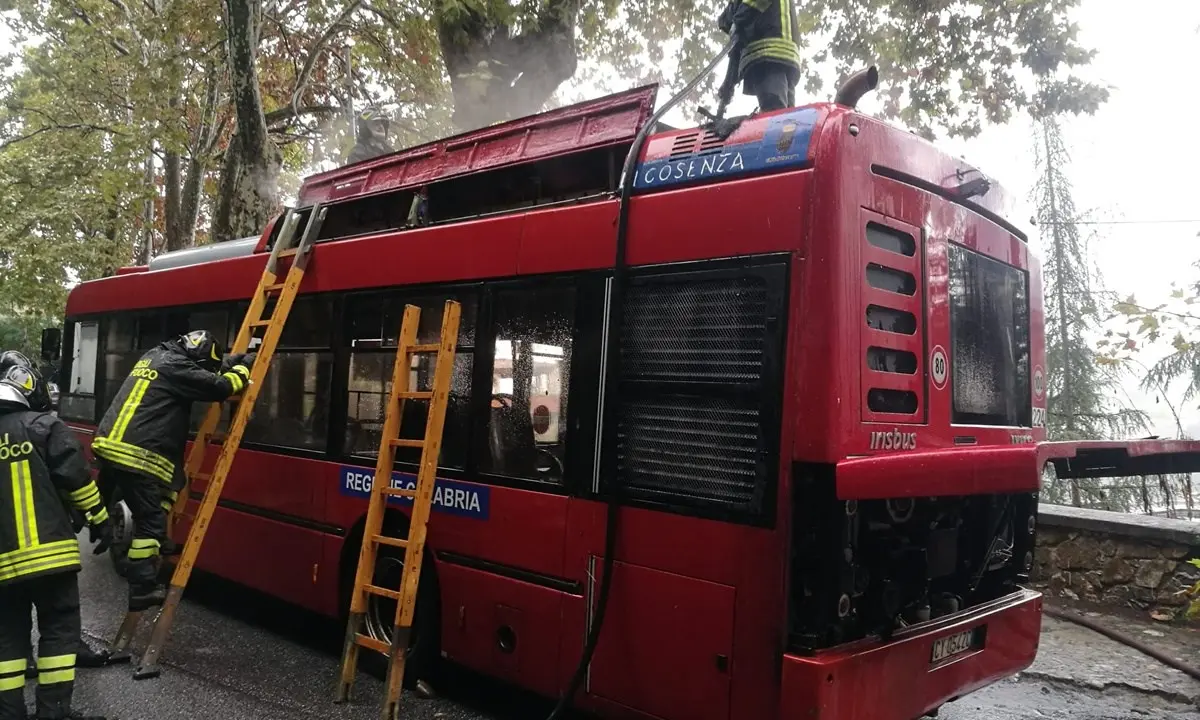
(767,34)
(145,428)
(41,465)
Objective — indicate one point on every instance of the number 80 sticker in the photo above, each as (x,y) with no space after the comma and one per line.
(938,367)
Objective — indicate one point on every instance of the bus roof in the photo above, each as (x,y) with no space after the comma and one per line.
(596,123)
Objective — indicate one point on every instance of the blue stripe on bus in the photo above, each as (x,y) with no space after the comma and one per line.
(449,496)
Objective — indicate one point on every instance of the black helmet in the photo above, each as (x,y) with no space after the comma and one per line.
(8,358)
(35,392)
(203,348)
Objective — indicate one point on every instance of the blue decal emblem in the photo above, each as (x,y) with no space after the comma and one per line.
(449,496)
(783,144)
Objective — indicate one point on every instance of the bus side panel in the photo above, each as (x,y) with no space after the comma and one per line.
(283,484)
(720,220)
(692,550)
(277,558)
(501,626)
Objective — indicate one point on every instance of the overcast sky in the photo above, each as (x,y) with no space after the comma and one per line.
(1135,161)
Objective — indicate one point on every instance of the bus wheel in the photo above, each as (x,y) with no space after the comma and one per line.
(421,659)
(122,524)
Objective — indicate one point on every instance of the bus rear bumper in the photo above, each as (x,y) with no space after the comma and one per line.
(899,680)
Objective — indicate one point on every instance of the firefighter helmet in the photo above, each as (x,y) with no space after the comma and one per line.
(373,122)
(20,384)
(8,358)
(39,398)
(203,348)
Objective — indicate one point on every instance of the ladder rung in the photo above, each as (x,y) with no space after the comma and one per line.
(204,477)
(372,644)
(415,395)
(260,323)
(393,542)
(433,347)
(399,492)
(288,253)
(384,592)
(274,287)
(406,442)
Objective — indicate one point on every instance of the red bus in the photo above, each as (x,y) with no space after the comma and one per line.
(824,418)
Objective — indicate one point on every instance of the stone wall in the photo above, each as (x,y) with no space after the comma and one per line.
(1116,559)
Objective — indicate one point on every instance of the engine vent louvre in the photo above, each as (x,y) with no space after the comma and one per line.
(698,351)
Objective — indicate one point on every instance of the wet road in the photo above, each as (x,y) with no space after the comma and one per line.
(237,656)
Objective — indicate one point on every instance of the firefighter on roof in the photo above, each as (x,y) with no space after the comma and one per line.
(372,135)
(141,439)
(40,462)
(39,401)
(766,57)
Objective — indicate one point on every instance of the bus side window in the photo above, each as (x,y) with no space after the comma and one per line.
(79,401)
(120,353)
(526,426)
(293,403)
(374,329)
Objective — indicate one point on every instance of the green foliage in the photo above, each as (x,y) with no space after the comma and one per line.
(1177,322)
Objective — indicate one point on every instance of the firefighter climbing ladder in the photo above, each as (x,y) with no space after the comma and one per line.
(271,327)
(382,490)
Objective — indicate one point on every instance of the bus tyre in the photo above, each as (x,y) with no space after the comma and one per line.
(122,523)
(422,660)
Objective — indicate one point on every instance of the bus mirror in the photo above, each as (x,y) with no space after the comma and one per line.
(51,344)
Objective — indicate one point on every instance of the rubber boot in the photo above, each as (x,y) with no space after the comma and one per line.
(143,596)
(86,657)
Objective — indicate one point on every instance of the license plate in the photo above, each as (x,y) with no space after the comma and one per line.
(956,644)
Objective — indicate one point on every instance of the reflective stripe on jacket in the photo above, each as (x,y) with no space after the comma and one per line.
(767,29)
(145,428)
(41,465)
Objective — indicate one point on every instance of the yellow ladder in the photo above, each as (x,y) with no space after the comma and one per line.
(284,294)
(422,495)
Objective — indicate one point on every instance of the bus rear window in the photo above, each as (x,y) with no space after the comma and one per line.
(989,325)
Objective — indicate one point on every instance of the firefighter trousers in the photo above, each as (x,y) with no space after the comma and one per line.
(56,598)
(147,501)
(769,82)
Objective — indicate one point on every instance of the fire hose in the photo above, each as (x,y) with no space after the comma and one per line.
(612,359)
(1124,639)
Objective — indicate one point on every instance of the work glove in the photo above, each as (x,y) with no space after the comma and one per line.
(100,534)
(234,359)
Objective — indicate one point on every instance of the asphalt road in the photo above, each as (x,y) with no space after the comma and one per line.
(237,656)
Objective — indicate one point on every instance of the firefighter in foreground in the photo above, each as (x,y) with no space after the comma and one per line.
(40,463)
(39,401)
(141,439)
(765,57)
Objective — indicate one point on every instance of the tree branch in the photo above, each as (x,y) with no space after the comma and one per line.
(315,52)
(287,113)
(85,127)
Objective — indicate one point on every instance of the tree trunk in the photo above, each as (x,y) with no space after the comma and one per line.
(171,201)
(496,75)
(1060,259)
(145,251)
(249,179)
(189,204)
